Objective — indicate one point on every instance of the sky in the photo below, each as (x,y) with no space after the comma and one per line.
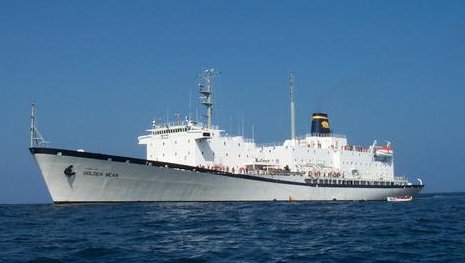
(101,71)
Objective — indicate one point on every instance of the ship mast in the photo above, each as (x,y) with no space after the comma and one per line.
(291,93)
(33,124)
(206,89)
(36,138)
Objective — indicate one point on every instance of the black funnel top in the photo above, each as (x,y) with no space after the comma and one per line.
(320,123)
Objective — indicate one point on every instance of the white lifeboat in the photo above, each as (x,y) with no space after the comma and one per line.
(401,198)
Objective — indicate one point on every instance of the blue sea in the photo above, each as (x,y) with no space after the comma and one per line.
(431,228)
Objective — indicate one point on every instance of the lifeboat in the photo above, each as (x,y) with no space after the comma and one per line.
(399,198)
(384,152)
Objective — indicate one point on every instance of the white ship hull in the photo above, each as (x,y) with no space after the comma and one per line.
(73,176)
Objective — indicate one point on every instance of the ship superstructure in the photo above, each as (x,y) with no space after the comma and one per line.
(191,161)
(319,156)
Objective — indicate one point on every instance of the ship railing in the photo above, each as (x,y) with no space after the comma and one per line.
(352,181)
(267,145)
(355,148)
(246,140)
(337,180)
(164,125)
(169,124)
(400,178)
(332,135)
(326,135)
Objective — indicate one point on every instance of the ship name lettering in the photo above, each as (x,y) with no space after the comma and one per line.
(111,174)
(92,173)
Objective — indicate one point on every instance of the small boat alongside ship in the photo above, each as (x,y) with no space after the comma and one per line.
(192,161)
(400,198)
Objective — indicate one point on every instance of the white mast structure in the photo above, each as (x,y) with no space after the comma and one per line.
(36,137)
(206,89)
(291,93)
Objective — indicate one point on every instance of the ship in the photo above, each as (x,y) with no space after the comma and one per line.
(187,160)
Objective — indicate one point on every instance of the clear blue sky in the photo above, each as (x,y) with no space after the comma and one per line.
(100,71)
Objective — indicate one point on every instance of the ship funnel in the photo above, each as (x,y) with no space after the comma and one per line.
(320,124)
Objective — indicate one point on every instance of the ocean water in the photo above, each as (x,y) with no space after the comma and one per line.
(431,228)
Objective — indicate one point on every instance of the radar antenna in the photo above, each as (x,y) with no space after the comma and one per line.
(36,138)
(206,89)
